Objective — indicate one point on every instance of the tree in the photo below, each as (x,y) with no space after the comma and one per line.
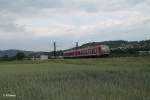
(5,57)
(20,56)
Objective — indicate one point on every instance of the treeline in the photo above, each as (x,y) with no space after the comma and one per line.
(133,48)
(130,52)
(144,44)
(18,56)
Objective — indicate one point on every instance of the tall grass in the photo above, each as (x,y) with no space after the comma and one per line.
(92,79)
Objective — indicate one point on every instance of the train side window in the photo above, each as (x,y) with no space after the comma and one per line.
(99,48)
(90,51)
(83,52)
(93,51)
(96,50)
(86,51)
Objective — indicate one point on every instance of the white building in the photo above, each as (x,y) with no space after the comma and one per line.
(43,57)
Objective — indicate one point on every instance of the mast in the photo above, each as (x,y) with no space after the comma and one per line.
(55,49)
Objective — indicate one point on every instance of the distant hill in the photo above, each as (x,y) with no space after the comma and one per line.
(120,43)
(12,52)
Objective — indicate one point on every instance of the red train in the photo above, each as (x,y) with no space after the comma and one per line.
(94,51)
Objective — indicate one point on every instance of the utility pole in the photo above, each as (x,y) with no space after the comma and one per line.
(55,49)
(77,45)
(76,48)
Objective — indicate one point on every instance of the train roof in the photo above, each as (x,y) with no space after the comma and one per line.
(68,51)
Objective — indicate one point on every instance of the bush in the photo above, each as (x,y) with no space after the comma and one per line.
(20,56)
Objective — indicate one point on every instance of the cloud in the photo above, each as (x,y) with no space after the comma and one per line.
(87,5)
(37,22)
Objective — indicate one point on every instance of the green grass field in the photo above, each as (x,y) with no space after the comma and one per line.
(76,79)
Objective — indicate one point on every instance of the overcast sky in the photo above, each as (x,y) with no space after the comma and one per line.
(35,24)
